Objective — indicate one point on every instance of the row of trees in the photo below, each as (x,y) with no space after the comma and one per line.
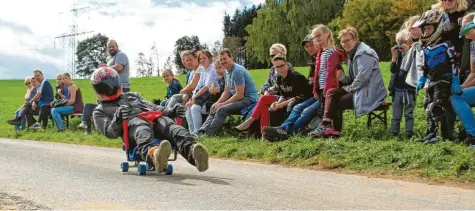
(288,21)
(249,32)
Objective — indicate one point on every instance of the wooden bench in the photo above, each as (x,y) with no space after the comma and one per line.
(72,116)
(380,113)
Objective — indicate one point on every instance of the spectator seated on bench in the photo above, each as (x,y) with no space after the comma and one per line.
(74,104)
(363,88)
(239,92)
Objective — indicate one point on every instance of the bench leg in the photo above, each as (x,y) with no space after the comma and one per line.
(370,118)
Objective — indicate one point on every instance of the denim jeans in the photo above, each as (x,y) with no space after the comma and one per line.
(87,115)
(57,112)
(215,120)
(22,119)
(164,103)
(461,105)
(194,118)
(301,115)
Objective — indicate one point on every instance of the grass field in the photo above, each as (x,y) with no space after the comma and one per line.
(363,151)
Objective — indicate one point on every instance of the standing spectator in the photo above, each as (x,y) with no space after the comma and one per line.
(119,62)
(442,70)
(455,10)
(239,92)
(73,105)
(363,89)
(44,97)
(404,98)
(201,93)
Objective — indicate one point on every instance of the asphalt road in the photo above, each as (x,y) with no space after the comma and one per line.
(60,176)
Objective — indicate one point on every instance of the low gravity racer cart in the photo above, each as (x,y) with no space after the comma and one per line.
(132,152)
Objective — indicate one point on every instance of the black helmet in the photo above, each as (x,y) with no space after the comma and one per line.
(106,84)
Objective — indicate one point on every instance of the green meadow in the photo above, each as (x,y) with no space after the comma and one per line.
(363,151)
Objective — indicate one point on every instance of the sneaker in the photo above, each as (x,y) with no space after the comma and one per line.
(200,154)
(469,141)
(15,121)
(83,125)
(275,133)
(432,140)
(320,131)
(160,154)
(331,133)
(36,126)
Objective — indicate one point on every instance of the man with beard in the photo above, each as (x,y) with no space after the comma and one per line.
(119,62)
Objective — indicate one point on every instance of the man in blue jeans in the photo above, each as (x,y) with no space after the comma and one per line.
(239,92)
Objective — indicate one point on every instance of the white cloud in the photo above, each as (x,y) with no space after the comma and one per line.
(128,22)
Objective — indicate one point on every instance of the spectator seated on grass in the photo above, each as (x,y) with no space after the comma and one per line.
(20,115)
(328,61)
(271,93)
(72,104)
(292,88)
(201,94)
(44,97)
(363,88)
(216,90)
(239,92)
(190,60)
(173,88)
(462,103)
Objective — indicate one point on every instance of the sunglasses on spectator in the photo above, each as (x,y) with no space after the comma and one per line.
(272,56)
(446,0)
(27,83)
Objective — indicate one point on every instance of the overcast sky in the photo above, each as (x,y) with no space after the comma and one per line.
(28,28)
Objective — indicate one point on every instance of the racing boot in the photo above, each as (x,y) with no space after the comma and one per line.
(159,155)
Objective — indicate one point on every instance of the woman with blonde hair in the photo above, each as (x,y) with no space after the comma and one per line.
(201,95)
(456,10)
(327,68)
(270,91)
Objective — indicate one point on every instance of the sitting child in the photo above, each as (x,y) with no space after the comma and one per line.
(173,88)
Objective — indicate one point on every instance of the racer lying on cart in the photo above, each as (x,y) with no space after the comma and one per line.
(115,106)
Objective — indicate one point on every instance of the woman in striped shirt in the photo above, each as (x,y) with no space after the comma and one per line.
(327,65)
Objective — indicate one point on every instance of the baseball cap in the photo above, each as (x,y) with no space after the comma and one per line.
(308,38)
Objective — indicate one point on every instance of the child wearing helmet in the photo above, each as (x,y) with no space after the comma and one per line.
(440,67)
(115,106)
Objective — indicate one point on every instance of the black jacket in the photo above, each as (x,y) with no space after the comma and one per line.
(294,85)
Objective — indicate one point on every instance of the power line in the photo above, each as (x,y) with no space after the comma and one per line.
(73,33)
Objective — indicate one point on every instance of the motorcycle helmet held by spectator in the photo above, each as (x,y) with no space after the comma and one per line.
(436,18)
(106,84)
